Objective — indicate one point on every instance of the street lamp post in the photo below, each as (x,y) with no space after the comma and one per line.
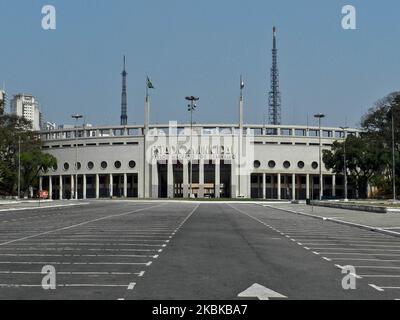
(76,117)
(346,198)
(19,167)
(320,116)
(393,158)
(191,107)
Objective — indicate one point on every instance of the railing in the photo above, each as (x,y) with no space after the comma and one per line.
(331,133)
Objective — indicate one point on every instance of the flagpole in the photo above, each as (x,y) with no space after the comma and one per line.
(144,140)
(240,134)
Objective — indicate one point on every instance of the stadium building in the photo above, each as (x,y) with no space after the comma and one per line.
(272,161)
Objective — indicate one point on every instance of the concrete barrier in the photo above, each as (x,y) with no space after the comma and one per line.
(356,207)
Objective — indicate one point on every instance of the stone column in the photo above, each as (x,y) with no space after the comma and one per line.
(217,179)
(279,187)
(97,186)
(111,182)
(321,183)
(40,183)
(72,187)
(264,186)
(185,179)
(84,186)
(201,178)
(234,179)
(126,185)
(170,178)
(308,186)
(333,185)
(60,190)
(293,187)
(50,187)
(154,180)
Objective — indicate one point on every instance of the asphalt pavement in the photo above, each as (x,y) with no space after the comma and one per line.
(197,251)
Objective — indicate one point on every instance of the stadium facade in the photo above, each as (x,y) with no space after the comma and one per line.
(182,161)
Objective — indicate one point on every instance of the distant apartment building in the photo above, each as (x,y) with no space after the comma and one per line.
(26,106)
(2,101)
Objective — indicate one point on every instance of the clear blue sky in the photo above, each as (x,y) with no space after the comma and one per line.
(192,47)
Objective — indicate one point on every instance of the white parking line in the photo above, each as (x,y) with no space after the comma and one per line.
(361,254)
(79,224)
(359,249)
(78,249)
(93,244)
(131,286)
(376,267)
(139,274)
(78,285)
(44,207)
(353,245)
(75,263)
(323,242)
(360,259)
(380,275)
(35,241)
(76,255)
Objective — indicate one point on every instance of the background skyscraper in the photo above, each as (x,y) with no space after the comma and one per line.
(2,101)
(26,106)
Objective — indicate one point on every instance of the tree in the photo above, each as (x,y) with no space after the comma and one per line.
(377,125)
(364,160)
(15,131)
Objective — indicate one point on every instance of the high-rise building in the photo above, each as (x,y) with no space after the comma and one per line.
(2,101)
(26,106)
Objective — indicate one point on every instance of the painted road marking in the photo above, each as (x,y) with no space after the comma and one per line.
(93,244)
(38,241)
(358,249)
(78,249)
(376,287)
(376,267)
(360,259)
(380,275)
(131,286)
(79,224)
(362,254)
(3,285)
(76,255)
(45,207)
(76,263)
(139,274)
(260,292)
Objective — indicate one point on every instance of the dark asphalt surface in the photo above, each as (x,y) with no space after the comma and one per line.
(138,250)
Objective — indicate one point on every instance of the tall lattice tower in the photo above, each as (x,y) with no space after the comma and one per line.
(124,116)
(274,110)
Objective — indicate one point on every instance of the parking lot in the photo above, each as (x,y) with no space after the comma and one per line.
(167,250)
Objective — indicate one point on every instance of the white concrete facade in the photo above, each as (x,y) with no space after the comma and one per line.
(264,162)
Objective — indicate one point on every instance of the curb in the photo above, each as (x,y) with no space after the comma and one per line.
(44,207)
(346,223)
(355,207)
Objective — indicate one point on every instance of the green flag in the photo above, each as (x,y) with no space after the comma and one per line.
(149,84)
